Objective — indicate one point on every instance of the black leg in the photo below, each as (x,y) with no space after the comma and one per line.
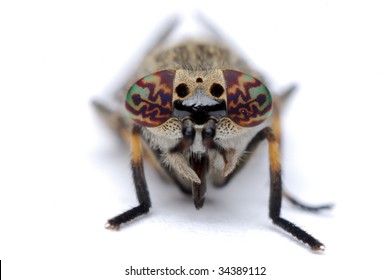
(139,181)
(275,202)
(311,208)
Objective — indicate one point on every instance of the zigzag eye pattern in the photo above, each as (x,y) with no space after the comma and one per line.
(149,100)
(249,102)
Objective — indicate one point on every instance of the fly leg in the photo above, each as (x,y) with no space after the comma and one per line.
(139,180)
(275,202)
(303,206)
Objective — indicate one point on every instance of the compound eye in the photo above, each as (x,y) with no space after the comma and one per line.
(149,100)
(249,102)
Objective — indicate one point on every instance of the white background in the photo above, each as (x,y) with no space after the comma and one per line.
(63,173)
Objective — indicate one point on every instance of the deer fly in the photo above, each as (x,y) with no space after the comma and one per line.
(195,108)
